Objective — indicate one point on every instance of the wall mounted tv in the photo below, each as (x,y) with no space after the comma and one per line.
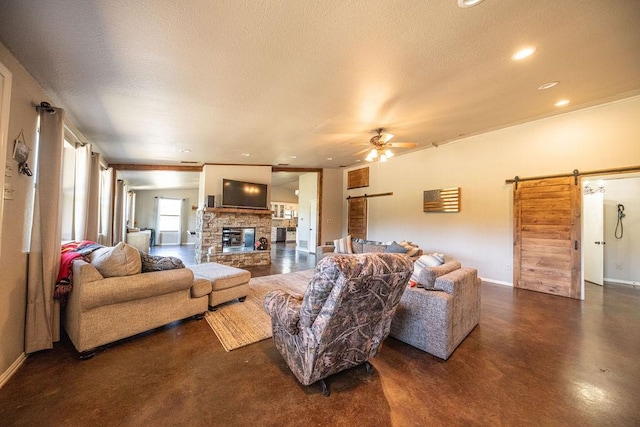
(240,194)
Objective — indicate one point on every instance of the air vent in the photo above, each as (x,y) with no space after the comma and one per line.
(283,164)
(188,162)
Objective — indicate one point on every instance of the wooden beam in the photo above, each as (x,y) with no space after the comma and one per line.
(137,167)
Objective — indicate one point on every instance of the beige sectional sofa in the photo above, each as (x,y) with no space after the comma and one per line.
(103,307)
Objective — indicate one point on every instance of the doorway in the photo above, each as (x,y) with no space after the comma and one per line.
(614,245)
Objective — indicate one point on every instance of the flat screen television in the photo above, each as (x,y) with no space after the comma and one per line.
(240,194)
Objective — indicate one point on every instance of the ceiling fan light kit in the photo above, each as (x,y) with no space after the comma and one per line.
(381,144)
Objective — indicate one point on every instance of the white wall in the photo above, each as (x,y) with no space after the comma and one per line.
(622,256)
(481,235)
(212,176)
(282,194)
(331,205)
(25,94)
(146,209)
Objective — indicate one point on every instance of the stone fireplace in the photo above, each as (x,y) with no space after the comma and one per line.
(222,235)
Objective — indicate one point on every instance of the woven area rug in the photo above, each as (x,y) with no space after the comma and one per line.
(238,324)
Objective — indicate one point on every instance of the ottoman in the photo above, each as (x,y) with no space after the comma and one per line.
(227,283)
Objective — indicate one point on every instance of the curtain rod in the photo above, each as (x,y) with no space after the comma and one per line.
(575,173)
(366,196)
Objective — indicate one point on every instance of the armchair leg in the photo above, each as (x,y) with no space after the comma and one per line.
(241,299)
(325,388)
(199,316)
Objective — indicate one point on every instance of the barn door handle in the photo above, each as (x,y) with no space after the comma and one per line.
(575,245)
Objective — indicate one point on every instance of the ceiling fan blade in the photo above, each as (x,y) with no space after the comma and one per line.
(362,151)
(386,137)
(402,144)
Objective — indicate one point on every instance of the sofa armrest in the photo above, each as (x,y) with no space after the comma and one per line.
(323,249)
(284,309)
(428,275)
(453,282)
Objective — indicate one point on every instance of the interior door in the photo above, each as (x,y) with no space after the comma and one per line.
(357,220)
(593,211)
(547,236)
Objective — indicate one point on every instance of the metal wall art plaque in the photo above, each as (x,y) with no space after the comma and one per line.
(443,200)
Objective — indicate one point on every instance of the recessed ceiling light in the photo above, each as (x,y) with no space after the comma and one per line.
(329,158)
(562,103)
(469,3)
(185,150)
(523,53)
(548,85)
(245,154)
(293,157)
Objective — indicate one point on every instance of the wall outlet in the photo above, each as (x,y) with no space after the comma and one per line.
(508,267)
(618,266)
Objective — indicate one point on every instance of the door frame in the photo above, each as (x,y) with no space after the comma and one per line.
(5,103)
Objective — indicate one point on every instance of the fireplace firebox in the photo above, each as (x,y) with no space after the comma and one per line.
(238,239)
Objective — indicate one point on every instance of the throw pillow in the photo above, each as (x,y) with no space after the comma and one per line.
(395,248)
(159,263)
(432,260)
(412,248)
(116,261)
(343,246)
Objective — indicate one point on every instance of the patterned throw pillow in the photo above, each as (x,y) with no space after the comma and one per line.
(159,263)
(343,246)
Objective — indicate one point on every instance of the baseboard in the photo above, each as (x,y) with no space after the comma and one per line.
(622,282)
(497,282)
(6,375)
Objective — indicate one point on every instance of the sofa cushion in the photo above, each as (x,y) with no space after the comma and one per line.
(395,248)
(117,290)
(116,261)
(373,248)
(200,287)
(356,246)
(343,246)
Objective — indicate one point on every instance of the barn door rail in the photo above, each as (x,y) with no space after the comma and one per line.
(576,173)
(366,196)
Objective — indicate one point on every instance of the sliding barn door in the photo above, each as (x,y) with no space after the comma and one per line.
(357,221)
(546,254)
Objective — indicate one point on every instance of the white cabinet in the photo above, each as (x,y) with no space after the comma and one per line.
(283,210)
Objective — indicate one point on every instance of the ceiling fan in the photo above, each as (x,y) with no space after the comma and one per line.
(381,145)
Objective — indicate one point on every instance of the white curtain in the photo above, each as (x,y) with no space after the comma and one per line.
(42,323)
(86,194)
(118,213)
(105,236)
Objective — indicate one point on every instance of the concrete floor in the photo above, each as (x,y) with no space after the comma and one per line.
(534,359)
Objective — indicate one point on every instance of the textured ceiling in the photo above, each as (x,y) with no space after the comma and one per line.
(297,82)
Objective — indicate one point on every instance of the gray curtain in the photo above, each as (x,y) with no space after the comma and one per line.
(42,323)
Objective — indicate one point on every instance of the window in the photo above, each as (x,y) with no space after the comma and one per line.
(169,211)
(68,190)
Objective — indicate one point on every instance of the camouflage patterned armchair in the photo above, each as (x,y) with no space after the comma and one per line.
(343,317)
